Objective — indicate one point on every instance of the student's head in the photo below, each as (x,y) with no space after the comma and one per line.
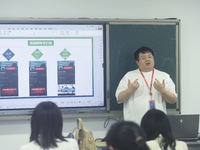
(125,135)
(144,57)
(46,124)
(156,122)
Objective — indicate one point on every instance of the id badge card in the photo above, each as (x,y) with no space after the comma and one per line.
(152,104)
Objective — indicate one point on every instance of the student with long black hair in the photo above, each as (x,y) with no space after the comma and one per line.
(46,130)
(158,131)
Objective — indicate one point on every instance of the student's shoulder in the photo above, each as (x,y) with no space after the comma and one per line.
(71,140)
(153,144)
(69,144)
(181,145)
(30,146)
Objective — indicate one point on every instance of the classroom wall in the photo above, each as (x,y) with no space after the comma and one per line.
(14,133)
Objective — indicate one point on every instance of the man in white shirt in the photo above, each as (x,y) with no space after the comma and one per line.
(144,88)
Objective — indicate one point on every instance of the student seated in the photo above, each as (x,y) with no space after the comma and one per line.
(158,131)
(125,135)
(46,130)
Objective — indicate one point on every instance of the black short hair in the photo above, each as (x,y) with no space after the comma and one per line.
(126,135)
(142,50)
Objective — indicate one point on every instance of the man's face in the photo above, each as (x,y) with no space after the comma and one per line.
(145,62)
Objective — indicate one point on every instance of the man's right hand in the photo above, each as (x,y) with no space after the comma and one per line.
(126,94)
(132,87)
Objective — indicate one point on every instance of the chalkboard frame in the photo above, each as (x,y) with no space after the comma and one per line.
(155,22)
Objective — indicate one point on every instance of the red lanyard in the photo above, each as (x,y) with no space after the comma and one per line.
(150,88)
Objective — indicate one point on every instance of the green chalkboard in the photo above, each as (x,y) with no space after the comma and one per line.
(126,38)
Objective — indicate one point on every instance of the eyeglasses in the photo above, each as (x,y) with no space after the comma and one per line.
(145,58)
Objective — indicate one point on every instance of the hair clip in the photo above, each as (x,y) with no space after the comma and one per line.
(139,140)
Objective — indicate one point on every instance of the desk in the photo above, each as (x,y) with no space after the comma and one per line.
(193,145)
(101,145)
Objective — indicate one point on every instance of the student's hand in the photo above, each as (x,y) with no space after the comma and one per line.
(133,86)
(160,87)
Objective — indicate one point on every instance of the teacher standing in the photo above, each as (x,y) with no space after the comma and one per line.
(145,88)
